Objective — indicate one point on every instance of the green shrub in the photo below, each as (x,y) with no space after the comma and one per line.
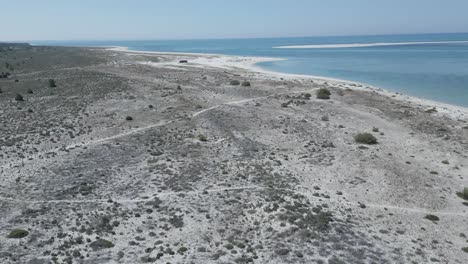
(101,244)
(234,82)
(202,138)
(52,83)
(19,97)
(129,118)
(323,93)
(18,233)
(463,194)
(465,249)
(182,250)
(245,83)
(365,138)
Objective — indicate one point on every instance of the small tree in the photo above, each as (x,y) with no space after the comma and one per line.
(52,83)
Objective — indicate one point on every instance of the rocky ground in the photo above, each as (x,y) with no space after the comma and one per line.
(137,158)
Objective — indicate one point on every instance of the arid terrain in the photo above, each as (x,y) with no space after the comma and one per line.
(118,157)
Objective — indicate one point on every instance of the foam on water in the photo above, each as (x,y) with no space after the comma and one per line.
(362,45)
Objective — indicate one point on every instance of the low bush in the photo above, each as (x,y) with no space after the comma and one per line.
(202,138)
(18,233)
(463,194)
(323,93)
(432,218)
(19,97)
(30,91)
(52,83)
(101,244)
(234,82)
(129,118)
(245,84)
(365,138)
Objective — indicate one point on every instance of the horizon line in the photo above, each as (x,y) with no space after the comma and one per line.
(227,38)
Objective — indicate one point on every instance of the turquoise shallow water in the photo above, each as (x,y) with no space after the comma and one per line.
(435,71)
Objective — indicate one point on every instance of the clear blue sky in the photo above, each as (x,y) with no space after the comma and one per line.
(175,19)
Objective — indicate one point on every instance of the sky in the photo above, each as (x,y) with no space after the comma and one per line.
(27,20)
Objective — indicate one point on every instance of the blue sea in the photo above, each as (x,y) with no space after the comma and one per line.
(431,66)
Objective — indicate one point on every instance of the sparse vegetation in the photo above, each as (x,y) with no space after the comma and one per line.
(432,218)
(365,138)
(323,93)
(101,244)
(18,233)
(19,97)
(52,83)
(234,82)
(182,250)
(431,110)
(463,194)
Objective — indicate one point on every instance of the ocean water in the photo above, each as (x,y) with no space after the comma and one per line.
(430,66)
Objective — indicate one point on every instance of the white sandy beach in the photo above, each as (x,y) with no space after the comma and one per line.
(250,64)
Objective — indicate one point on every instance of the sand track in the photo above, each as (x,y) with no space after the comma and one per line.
(239,188)
(142,129)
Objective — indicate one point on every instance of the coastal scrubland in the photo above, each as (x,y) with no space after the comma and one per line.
(117,157)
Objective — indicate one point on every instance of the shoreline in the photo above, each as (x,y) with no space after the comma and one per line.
(250,63)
